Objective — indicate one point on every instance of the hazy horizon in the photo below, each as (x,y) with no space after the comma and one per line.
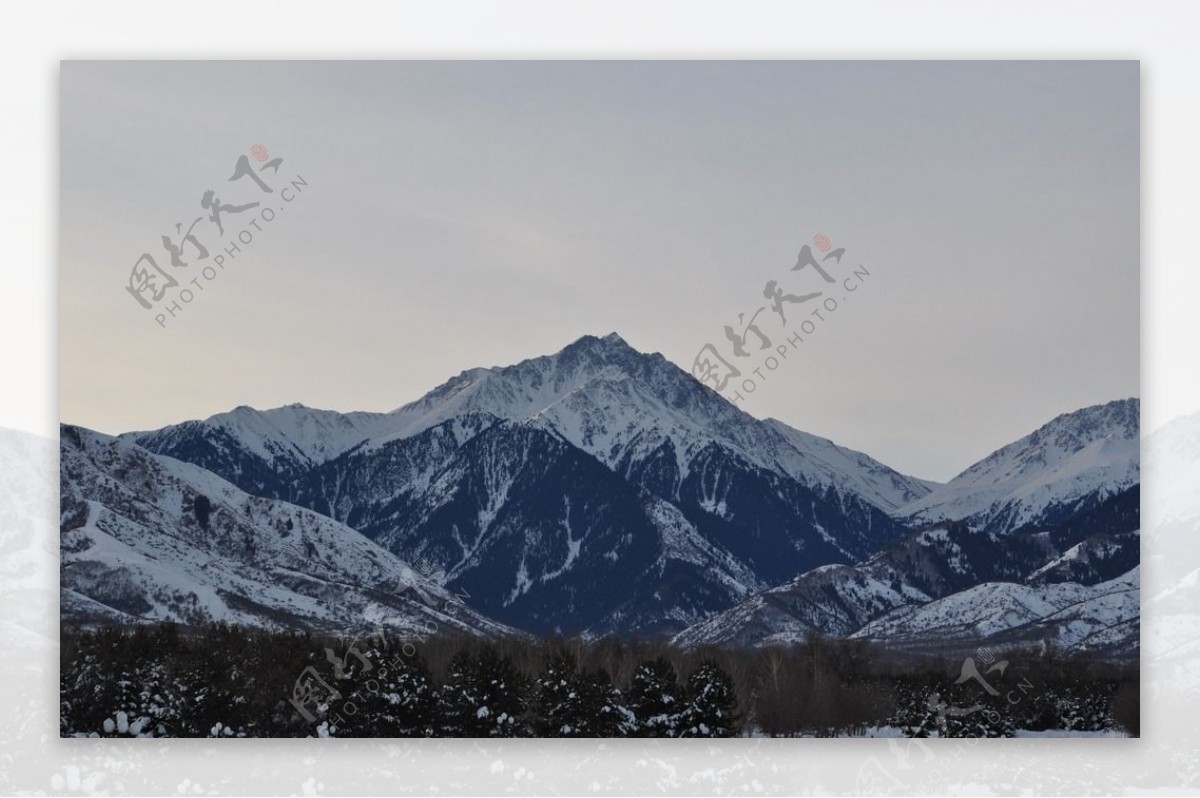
(456,215)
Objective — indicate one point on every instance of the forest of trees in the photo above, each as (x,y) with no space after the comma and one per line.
(223,681)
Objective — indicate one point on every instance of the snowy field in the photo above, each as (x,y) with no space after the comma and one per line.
(895,732)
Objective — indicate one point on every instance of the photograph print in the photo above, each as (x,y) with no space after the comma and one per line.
(599,399)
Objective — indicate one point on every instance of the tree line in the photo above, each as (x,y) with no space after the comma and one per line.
(226,681)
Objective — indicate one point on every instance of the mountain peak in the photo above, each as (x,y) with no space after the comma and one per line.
(1044,474)
(590,357)
(603,343)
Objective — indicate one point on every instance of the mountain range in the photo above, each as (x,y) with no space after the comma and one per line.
(595,491)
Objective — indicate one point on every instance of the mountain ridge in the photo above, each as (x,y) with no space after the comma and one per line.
(287,440)
(1043,475)
(602,490)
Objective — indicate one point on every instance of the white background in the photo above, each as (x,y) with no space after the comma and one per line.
(34,38)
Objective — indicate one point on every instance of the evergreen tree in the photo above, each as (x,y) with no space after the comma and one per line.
(558,699)
(604,708)
(484,696)
(654,698)
(139,701)
(223,678)
(116,686)
(569,703)
(710,703)
(393,699)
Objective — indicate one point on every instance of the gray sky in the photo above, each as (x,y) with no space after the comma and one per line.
(475,214)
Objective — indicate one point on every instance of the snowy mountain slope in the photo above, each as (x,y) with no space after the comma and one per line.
(260,451)
(833,600)
(481,479)
(544,536)
(1073,616)
(933,569)
(28,557)
(950,557)
(1095,559)
(1172,618)
(836,601)
(602,490)
(1172,465)
(623,407)
(149,538)
(1108,621)
(1065,466)
(1171,653)
(975,613)
(818,461)
(599,394)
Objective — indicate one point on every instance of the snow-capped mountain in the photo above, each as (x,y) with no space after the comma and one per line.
(831,601)
(540,534)
(598,489)
(600,395)
(1100,617)
(1077,459)
(547,538)
(1098,544)
(625,408)
(601,490)
(876,601)
(962,580)
(262,451)
(149,538)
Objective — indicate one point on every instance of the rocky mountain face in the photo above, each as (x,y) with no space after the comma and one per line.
(1067,466)
(598,490)
(1039,542)
(149,538)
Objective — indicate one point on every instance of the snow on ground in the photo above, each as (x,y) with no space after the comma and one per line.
(895,732)
(1065,733)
